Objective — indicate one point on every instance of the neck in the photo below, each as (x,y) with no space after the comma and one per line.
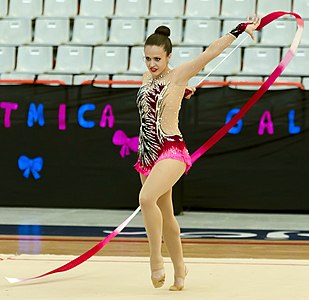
(163,73)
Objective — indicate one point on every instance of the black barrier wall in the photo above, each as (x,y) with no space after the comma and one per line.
(57,149)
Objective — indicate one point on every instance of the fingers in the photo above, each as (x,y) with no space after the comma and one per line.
(255,20)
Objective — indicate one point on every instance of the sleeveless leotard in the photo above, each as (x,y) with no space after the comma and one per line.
(159,136)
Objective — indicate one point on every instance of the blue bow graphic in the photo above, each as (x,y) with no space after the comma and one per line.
(28,165)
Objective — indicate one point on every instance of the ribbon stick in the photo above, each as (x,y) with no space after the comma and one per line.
(205,147)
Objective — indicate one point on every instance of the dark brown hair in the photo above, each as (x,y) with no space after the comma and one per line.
(160,38)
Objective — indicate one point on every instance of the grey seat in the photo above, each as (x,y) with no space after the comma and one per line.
(260,61)
(73,59)
(245,79)
(15,31)
(89,30)
(3,8)
(65,78)
(34,59)
(302,8)
(63,8)
(202,8)
(278,33)
(110,60)
(167,8)
(299,65)
(265,6)
(25,8)
(97,8)
(127,31)
(132,8)
(184,54)
(126,77)
(51,31)
(7,59)
(137,62)
(238,8)
(201,32)
(229,66)
(175,26)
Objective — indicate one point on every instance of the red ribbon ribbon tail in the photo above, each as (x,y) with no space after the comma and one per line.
(217,136)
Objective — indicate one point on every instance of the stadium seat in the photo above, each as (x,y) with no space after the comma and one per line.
(16,76)
(51,31)
(97,8)
(229,66)
(285,79)
(66,78)
(201,32)
(260,61)
(132,8)
(34,59)
(167,8)
(126,77)
(278,33)
(175,26)
(238,8)
(228,25)
(60,8)
(89,30)
(184,54)
(3,8)
(25,8)
(137,62)
(73,59)
(78,79)
(299,64)
(202,8)
(196,80)
(265,7)
(15,31)
(7,59)
(305,38)
(302,8)
(127,31)
(245,79)
(110,60)
(306,83)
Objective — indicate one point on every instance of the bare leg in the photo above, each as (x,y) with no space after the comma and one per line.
(171,234)
(161,179)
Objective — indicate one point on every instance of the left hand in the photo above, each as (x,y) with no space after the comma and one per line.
(192,89)
(251,27)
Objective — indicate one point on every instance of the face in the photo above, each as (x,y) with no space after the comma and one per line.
(156,60)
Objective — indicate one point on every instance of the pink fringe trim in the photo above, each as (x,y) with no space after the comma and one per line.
(171,153)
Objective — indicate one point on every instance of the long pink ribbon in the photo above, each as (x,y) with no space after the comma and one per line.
(200,151)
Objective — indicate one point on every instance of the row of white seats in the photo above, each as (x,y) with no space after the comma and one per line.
(96,80)
(96,31)
(155,8)
(116,60)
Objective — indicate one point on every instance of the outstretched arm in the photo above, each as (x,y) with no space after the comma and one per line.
(189,69)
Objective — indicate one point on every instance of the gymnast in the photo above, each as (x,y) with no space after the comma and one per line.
(162,154)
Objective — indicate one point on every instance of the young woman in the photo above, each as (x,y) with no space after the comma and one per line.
(162,154)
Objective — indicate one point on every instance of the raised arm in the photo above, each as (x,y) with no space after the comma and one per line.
(189,69)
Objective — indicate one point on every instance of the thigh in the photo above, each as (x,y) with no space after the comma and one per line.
(162,177)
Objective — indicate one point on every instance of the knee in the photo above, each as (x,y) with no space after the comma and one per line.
(145,200)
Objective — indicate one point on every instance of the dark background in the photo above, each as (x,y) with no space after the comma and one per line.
(82,167)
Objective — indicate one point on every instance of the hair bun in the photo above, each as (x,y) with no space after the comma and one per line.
(163,30)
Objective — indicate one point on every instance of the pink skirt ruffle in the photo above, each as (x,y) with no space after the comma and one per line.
(173,148)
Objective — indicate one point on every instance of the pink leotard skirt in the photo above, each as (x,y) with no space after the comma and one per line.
(173,147)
